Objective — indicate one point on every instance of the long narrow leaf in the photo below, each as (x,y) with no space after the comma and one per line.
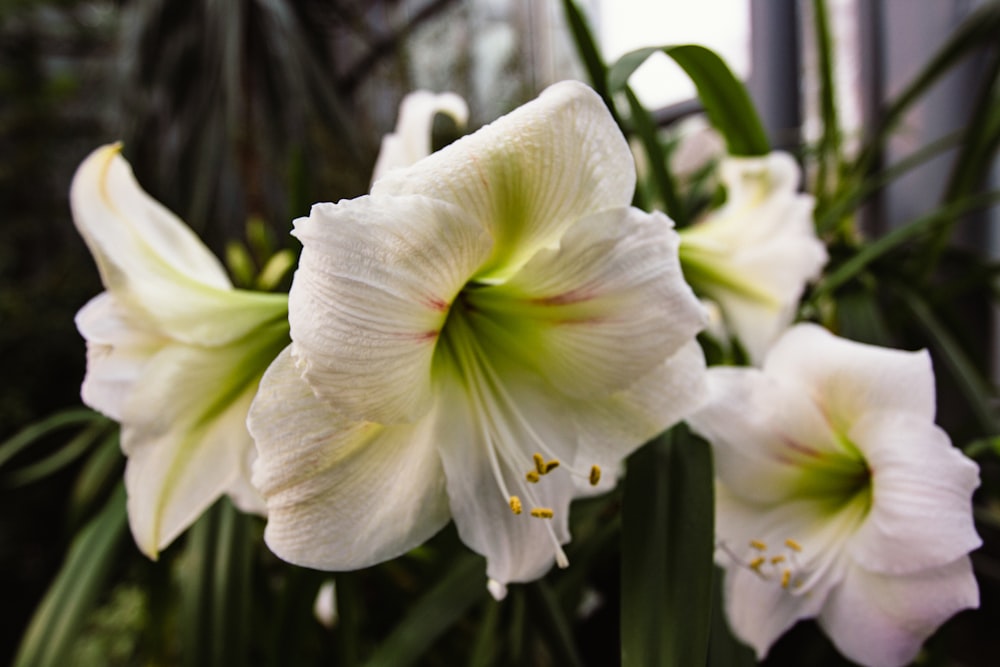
(437,611)
(62,457)
(645,129)
(667,546)
(556,626)
(725,99)
(29,434)
(872,251)
(586,47)
(76,589)
(829,145)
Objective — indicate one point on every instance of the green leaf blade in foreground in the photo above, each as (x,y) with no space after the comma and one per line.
(73,594)
(667,547)
(724,97)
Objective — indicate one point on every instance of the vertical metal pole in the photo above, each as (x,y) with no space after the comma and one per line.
(775,70)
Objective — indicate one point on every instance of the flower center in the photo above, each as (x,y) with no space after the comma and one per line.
(519,458)
(780,565)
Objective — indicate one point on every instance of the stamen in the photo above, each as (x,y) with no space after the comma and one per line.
(532,476)
(756,563)
(786,578)
(595,475)
(793,545)
(777,559)
(539,463)
(515,505)
(551,465)
(758,545)
(542,513)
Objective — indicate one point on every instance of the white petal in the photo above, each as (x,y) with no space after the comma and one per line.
(755,254)
(154,264)
(184,432)
(612,428)
(921,514)
(771,441)
(849,378)
(129,232)
(375,281)
(614,277)
(118,347)
(412,139)
(341,495)
(529,175)
(882,621)
(521,547)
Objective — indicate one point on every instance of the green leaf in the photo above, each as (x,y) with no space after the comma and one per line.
(876,249)
(60,458)
(434,614)
(971,383)
(829,143)
(30,434)
(586,47)
(645,129)
(725,650)
(556,627)
(76,589)
(667,547)
(103,467)
(725,99)
(486,647)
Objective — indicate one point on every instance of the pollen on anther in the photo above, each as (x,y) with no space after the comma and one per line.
(515,505)
(777,559)
(786,578)
(532,476)
(539,463)
(542,513)
(758,545)
(756,563)
(793,545)
(551,465)
(595,475)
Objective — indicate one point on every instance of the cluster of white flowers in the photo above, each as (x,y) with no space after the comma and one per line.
(486,335)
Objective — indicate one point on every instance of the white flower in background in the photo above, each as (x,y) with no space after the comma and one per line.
(476,340)
(174,353)
(412,139)
(838,497)
(755,254)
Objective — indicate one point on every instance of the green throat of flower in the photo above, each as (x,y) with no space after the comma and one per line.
(487,338)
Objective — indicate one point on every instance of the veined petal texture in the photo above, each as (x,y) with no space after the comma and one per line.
(497,316)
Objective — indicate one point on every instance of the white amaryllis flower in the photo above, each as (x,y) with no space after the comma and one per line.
(476,340)
(174,353)
(412,139)
(838,497)
(755,254)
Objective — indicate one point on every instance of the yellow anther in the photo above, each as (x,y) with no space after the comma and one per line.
(793,545)
(532,476)
(758,545)
(550,466)
(756,563)
(515,505)
(786,578)
(539,463)
(595,475)
(542,513)
(777,559)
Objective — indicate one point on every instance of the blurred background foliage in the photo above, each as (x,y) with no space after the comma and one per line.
(238,114)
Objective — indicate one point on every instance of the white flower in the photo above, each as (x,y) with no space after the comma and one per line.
(838,497)
(412,139)
(492,312)
(755,254)
(174,353)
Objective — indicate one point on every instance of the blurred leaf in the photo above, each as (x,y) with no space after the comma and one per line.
(978,30)
(829,143)
(556,628)
(971,383)
(860,318)
(433,614)
(30,434)
(486,647)
(879,247)
(667,547)
(645,129)
(102,468)
(978,448)
(725,99)
(275,270)
(586,47)
(60,458)
(76,589)
(240,265)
